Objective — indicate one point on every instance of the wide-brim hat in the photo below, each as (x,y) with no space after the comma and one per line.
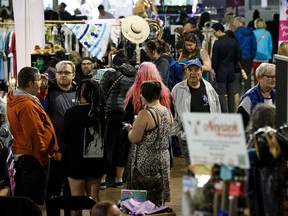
(135,29)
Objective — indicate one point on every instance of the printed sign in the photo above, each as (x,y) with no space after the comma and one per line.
(283,23)
(216,138)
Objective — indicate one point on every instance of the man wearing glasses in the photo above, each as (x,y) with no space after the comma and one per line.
(87,69)
(34,136)
(193,94)
(60,97)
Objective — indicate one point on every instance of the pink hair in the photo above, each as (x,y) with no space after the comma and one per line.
(147,71)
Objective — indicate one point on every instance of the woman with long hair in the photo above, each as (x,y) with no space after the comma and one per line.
(132,103)
(192,49)
(83,136)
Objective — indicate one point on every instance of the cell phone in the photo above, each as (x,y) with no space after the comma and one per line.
(124,123)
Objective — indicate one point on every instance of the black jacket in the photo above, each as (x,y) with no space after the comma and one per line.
(115,100)
(224,58)
(162,64)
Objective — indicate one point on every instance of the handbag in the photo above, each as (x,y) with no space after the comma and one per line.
(152,184)
(144,182)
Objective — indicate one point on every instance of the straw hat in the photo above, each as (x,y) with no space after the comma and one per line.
(135,29)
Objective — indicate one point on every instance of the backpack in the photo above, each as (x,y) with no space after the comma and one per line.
(175,74)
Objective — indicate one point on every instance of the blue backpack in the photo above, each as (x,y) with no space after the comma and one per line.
(176,74)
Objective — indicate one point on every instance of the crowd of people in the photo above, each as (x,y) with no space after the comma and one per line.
(85,11)
(68,131)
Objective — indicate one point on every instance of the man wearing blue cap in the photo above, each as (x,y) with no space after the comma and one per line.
(193,94)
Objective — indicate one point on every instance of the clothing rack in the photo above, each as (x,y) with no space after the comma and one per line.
(67,21)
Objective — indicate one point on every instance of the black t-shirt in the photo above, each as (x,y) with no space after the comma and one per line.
(199,99)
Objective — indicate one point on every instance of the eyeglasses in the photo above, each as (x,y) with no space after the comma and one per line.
(86,64)
(270,76)
(64,73)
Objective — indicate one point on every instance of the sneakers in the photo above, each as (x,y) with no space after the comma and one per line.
(103,185)
(119,184)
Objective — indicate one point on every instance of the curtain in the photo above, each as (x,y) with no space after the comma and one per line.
(29,29)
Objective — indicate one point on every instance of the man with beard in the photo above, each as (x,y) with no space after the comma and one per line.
(87,69)
(61,96)
(193,94)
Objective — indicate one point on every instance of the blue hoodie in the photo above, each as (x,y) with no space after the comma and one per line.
(247,41)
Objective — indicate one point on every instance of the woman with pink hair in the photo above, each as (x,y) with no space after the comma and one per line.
(132,103)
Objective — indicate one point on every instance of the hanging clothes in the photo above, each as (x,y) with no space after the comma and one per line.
(2,54)
(12,55)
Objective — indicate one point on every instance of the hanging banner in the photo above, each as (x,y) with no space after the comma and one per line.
(283,22)
(94,37)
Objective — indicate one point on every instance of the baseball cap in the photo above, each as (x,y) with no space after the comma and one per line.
(194,62)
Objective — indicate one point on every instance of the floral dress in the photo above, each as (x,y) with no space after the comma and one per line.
(153,154)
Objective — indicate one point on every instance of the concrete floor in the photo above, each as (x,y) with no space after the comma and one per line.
(177,172)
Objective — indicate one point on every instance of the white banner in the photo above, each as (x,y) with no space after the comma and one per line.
(216,138)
